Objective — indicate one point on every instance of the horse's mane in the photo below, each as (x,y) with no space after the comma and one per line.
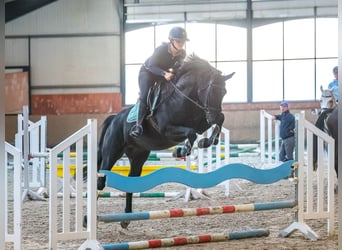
(192,62)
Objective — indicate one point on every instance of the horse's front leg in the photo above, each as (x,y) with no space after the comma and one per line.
(177,133)
(186,149)
(214,137)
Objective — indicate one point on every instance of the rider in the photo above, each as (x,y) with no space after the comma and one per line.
(334,84)
(157,67)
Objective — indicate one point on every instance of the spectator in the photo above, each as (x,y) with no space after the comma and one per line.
(334,84)
(287,132)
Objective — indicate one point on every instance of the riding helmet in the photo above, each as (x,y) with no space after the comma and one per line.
(178,33)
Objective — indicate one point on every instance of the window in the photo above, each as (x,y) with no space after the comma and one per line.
(290,60)
(299,39)
(267,81)
(268,42)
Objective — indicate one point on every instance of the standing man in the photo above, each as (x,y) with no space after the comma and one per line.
(287,127)
(334,84)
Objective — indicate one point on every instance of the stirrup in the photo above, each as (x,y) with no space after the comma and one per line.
(136,130)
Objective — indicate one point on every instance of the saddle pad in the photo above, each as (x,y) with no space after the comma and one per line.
(133,114)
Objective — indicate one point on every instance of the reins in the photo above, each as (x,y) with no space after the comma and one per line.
(187,97)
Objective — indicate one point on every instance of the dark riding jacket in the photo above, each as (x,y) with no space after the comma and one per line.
(154,68)
(287,124)
(162,60)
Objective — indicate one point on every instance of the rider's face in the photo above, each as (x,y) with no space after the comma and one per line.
(179,44)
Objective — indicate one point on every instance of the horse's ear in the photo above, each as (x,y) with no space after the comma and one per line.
(227,77)
(321,88)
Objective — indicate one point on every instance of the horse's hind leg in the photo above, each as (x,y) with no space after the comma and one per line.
(137,160)
(111,151)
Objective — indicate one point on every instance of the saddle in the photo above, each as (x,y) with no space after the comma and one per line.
(154,99)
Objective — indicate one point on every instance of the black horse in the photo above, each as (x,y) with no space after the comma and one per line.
(190,104)
(327,122)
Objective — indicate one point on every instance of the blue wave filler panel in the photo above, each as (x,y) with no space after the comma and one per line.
(198,180)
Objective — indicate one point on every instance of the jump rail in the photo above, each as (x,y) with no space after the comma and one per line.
(304,180)
(194,180)
(177,241)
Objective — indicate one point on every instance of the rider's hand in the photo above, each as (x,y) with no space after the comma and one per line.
(168,76)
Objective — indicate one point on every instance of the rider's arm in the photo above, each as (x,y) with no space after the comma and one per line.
(158,62)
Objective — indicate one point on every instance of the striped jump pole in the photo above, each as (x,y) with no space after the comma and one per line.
(187,212)
(179,241)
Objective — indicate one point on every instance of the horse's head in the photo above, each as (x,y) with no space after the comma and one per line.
(209,84)
(211,95)
(327,100)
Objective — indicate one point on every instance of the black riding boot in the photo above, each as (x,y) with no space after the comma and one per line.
(137,129)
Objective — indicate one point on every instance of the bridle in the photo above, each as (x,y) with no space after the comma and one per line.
(206,107)
(325,97)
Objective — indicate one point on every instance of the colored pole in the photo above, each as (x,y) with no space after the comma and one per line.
(174,213)
(178,241)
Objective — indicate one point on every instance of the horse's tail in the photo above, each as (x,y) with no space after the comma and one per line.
(319,124)
(105,126)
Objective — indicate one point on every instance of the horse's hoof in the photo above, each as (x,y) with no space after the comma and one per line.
(177,153)
(101,183)
(185,152)
(204,143)
(124,224)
